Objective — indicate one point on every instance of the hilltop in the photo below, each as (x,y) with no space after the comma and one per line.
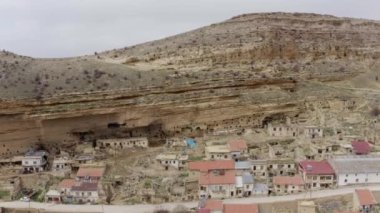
(256,65)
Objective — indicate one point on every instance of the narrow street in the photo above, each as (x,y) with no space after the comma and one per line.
(148,208)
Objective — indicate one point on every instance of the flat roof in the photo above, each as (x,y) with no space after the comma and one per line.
(217,149)
(356,164)
(39,153)
(243,165)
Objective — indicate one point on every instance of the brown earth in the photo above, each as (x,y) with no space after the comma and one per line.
(256,67)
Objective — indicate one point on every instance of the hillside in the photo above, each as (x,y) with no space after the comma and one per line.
(254,65)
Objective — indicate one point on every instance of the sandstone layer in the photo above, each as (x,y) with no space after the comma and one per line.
(235,74)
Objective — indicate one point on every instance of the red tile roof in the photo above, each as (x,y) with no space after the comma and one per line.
(365,197)
(66,183)
(213,178)
(311,167)
(90,172)
(205,166)
(85,186)
(288,180)
(214,204)
(241,208)
(237,146)
(361,147)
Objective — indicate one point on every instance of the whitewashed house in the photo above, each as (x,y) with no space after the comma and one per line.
(313,132)
(356,169)
(85,192)
(244,185)
(123,143)
(259,168)
(61,164)
(177,161)
(217,184)
(34,161)
(282,130)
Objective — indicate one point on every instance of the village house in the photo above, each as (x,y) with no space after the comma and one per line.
(284,167)
(356,169)
(178,161)
(243,167)
(123,143)
(240,208)
(90,174)
(326,150)
(360,147)
(244,185)
(176,143)
(232,150)
(83,159)
(61,164)
(260,189)
(217,152)
(282,130)
(288,184)
(317,174)
(259,169)
(34,161)
(238,149)
(53,196)
(64,187)
(364,201)
(217,184)
(313,132)
(85,192)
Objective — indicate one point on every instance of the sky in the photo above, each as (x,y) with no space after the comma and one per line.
(65,28)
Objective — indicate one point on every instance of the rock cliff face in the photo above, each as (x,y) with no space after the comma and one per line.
(231,75)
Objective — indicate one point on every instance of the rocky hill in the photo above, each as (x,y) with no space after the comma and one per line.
(253,65)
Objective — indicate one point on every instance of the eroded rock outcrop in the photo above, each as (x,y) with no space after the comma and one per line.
(249,67)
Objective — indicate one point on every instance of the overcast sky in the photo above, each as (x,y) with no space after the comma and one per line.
(61,28)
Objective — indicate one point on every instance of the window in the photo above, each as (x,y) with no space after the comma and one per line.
(254,167)
(345,180)
(89,193)
(274,129)
(34,162)
(357,180)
